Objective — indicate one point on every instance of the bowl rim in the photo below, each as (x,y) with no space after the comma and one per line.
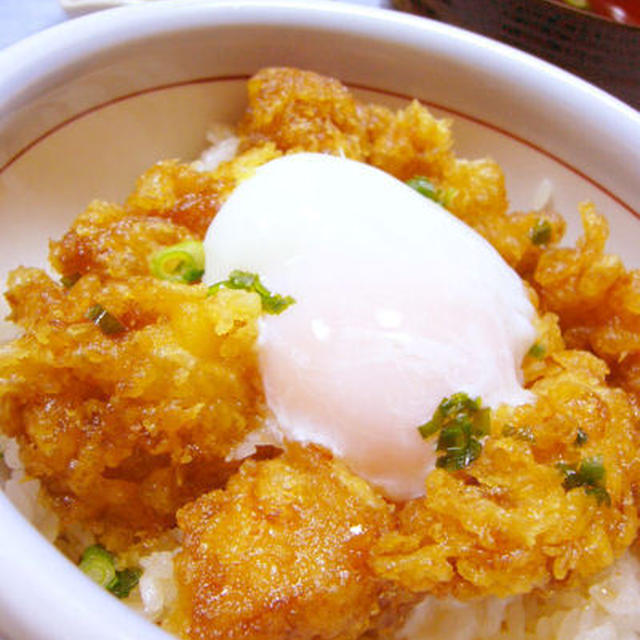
(34,55)
(26,68)
(29,66)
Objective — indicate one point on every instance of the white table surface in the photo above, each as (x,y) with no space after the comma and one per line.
(21,18)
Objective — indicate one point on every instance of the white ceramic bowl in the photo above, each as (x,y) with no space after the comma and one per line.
(88,105)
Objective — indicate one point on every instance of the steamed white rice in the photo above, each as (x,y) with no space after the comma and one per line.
(608,609)
(156,590)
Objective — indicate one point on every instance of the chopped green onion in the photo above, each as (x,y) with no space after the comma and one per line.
(98,564)
(461,421)
(68,281)
(183,262)
(272,303)
(126,580)
(600,494)
(541,232)
(423,186)
(429,428)
(590,475)
(426,188)
(581,438)
(537,351)
(591,471)
(106,322)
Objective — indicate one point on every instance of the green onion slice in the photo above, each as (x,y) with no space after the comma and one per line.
(541,232)
(590,475)
(183,262)
(68,281)
(98,564)
(581,437)
(461,422)
(126,580)
(537,351)
(425,187)
(272,303)
(105,321)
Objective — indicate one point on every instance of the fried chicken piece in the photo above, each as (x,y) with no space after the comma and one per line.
(510,522)
(124,428)
(575,282)
(171,203)
(408,142)
(302,111)
(596,299)
(189,197)
(283,552)
(105,240)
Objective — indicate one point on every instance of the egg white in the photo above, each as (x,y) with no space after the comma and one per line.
(398,305)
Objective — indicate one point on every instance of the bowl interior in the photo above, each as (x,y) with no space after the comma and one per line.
(87,106)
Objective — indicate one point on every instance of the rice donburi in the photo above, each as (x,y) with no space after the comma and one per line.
(135,396)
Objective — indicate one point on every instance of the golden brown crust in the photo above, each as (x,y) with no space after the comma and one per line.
(106,241)
(300,111)
(596,299)
(282,553)
(123,429)
(506,524)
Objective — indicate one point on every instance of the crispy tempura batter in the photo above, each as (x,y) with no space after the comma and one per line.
(282,553)
(122,430)
(597,299)
(125,429)
(172,202)
(506,525)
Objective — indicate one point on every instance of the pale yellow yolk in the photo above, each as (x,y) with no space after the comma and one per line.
(398,305)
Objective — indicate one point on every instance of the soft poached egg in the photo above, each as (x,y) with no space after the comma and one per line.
(398,305)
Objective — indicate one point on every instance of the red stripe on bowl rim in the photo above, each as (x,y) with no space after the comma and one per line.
(392,94)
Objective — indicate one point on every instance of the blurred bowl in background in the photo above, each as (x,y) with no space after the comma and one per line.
(601,50)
